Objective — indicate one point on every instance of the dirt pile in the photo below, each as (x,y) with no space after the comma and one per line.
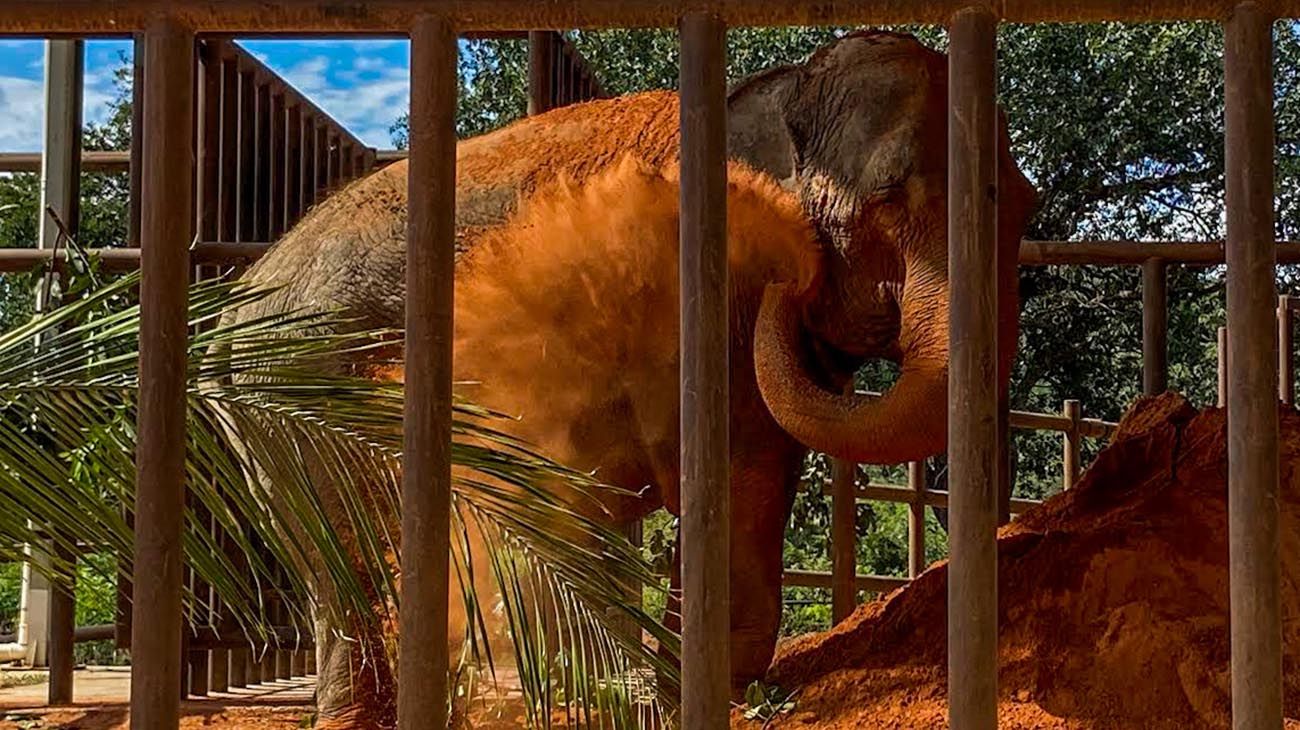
(1114,601)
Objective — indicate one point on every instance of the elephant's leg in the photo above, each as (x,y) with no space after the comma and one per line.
(355,689)
(761,498)
(762,493)
(354,682)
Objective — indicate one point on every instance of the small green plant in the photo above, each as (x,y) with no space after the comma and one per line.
(766,702)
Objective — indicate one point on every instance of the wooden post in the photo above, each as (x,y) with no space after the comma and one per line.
(1155,327)
(167,188)
(1285,352)
(1222,350)
(844,539)
(541,70)
(228,129)
(61,192)
(426,469)
(246,162)
(265,160)
(1070,458)
(278,159)
(972,381)
(1253,547)
(916,519)
(706,469)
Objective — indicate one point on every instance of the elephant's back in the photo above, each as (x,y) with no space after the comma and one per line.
(349,252)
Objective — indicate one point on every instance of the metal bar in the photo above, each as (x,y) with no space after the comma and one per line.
(1155,327)
(426,469)
(1070,454)
(1285,352)
(540,70)
(1253,543)
(844,539)
(916,519)
(160,460)
(705,450)
(387,17)
(972,380)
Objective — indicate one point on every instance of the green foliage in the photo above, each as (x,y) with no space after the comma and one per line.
(766,703)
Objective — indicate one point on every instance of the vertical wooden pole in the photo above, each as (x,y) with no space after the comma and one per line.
(292,166)
(167,188)
(61,192)
(1221,348)
(125,570)
(209,141)
(228,129)
(1285,352)
(972,381)
(246,162)
(1005,473)
(1253,547)
(844,539)
(264,157)
(278,160)
(1070,458)
(541,56)
(426,468)
(706,469)
(916,519)
(1155,327)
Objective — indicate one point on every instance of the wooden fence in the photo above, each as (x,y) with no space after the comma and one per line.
(975,443)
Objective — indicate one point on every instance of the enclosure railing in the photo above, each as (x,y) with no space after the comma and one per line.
(975,442)
(848,486)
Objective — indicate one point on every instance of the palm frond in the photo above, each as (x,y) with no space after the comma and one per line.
(271,419)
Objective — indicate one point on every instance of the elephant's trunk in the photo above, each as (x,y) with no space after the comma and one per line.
(907,423)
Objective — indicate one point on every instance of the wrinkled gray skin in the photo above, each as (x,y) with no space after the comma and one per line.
(859,131)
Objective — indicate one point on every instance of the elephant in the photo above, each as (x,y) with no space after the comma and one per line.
(837,251)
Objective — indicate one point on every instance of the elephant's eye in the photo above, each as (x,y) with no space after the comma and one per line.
(889,193)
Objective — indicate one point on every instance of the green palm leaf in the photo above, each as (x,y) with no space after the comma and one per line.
(271,418)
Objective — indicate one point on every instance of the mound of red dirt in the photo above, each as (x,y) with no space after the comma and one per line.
(1114,601)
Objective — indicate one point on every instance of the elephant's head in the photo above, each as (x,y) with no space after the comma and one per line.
(860,131)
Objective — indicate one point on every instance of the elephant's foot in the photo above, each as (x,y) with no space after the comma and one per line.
(354,717)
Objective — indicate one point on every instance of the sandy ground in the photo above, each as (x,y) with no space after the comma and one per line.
(100,696)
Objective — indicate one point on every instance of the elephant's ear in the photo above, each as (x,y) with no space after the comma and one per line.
(757,132)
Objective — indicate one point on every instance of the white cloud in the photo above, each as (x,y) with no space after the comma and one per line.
(22,107)
(375,94)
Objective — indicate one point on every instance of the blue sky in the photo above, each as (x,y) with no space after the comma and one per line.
(362,84)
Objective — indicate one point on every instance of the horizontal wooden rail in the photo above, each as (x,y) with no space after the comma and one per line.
(819,579)
(95,17)
(127,259)
(1135,253)
(1029,421)
(905,495)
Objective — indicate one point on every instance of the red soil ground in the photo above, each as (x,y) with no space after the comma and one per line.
(1114,601)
